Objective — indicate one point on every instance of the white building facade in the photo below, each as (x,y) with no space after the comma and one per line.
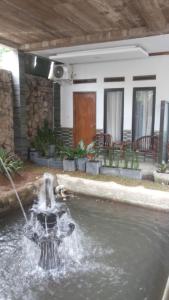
(154,72)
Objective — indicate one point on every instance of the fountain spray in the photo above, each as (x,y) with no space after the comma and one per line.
(14,188)
(49,225)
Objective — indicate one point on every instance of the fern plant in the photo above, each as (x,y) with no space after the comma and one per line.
(12,163)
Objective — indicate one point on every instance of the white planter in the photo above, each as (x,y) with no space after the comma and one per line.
(93,167)
(161,177)
(127,173)
(130,173)
(81,164)
(41,161)
(56,163)
(110,171)
(33,154)
(69,165)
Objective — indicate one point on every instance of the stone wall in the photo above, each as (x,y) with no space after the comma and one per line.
(6,111)
(39,103)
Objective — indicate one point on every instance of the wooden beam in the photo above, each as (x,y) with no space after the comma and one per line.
(42,15)
(100,37)
(77,16)
(159,53)
(8,43)
(15,19)
(151,13)
(105,10)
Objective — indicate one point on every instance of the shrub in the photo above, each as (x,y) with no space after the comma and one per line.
(45,137)
(12,163)
(68,153)
(83,150)
(162,167)
(80,151)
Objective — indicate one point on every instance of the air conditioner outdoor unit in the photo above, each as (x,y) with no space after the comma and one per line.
(62,72)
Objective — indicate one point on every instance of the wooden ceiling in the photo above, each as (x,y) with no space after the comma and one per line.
(41,24)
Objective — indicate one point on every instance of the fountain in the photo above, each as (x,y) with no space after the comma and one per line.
(46,227)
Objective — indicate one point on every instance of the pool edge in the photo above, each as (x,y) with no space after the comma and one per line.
(137,196)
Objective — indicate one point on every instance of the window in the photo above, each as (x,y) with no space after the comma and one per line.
(113,113)
(143,111)
(82,81)
(114,79)
(144,77)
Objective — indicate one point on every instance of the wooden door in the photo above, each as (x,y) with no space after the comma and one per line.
(84,116)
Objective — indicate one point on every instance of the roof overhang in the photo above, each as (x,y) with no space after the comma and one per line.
(38,25)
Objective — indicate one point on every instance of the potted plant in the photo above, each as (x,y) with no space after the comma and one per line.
(49,139)
(33,153)
(82,153)
(44,145)
(111,163)
(131,165)
(93,164)
(161,175)
(128,166)
(57,160)
(69,162)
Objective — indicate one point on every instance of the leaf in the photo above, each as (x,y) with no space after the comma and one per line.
(81,145)
(90,146)
(12,163)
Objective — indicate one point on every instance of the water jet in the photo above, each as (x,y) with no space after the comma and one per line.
(45,227)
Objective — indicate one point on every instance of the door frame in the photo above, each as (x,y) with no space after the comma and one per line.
(163,153)
(105,108)
(74,109)
(135,89)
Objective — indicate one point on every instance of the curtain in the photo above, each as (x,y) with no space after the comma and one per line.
(114,114)
(143,113)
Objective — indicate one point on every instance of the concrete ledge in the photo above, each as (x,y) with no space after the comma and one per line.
(9,202)
(138,196)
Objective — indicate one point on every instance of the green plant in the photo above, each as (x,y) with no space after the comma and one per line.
(116,159)
(127,156)
(131,160)
(162,167)
(68,153)
(58,149)
(83,150)
(135,161)
(107,157)
(12,163)
(45,137)
(110,158)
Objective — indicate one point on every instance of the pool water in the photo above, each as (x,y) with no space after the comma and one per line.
(122,254)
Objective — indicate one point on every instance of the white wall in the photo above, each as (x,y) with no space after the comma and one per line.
(158,65)
(11,63)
